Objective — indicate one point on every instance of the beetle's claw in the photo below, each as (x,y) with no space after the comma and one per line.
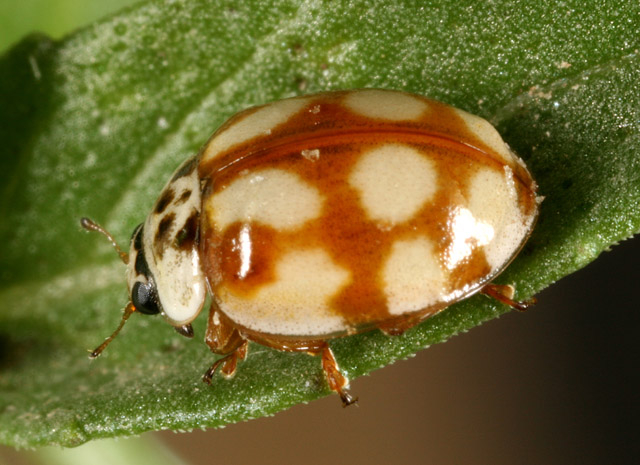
(348,399)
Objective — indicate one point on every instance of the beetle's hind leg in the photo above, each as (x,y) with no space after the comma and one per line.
(504,293)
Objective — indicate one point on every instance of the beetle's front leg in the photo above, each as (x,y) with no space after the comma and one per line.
(224,339)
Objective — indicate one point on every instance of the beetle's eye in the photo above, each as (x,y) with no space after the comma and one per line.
(142,298)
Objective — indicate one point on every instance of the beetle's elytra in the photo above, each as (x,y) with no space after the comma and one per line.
(327,215)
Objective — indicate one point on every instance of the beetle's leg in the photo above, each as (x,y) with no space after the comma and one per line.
(228,362)
(504,293)
(337,381)
(223,338)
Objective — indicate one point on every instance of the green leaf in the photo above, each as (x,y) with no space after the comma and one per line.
(93,125)
(56,17)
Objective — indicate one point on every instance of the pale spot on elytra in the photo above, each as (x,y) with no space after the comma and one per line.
(493,200)
(380,104)
(467,233)
(484,131)
(412,275)
(297,303)
(259,123)
(394,182)
(273,197)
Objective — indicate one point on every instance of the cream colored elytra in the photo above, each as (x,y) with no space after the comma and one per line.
(331,214)
(296,292)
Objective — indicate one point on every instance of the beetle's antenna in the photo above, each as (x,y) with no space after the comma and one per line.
(90,225)
(128,310)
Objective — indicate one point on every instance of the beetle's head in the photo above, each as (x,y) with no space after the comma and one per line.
(142,290)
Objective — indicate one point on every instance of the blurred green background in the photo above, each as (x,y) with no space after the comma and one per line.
(52,17)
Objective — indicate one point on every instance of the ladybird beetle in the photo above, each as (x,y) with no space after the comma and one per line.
(327,215)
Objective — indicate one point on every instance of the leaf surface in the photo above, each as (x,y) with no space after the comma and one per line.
(94,124)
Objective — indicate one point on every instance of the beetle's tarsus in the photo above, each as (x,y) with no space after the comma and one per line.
(208,376)
(348,399)
(229,363)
